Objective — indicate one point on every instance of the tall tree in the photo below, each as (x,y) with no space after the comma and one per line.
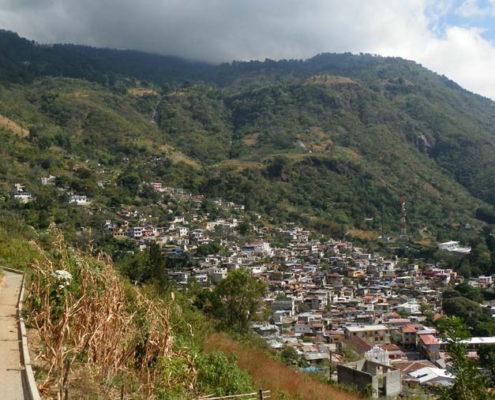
(156,262)
(470,383)
(240,297)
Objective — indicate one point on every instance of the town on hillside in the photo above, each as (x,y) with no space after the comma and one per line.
(363,319)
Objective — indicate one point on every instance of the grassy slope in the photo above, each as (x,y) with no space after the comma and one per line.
(272,375)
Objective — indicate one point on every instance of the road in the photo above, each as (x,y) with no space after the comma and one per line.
(10,357)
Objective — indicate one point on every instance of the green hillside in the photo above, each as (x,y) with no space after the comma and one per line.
(334,141)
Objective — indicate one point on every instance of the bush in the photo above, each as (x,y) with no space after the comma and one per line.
(219,375)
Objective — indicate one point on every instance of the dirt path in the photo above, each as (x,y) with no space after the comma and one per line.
(10,358)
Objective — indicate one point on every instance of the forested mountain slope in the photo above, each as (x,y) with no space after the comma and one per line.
(334,141)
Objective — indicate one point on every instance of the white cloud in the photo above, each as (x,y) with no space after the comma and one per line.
(465,56)
(472,8)
(222,30)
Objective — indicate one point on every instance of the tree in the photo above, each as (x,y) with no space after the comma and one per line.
(240,298)
(156,262)
(487,360)
(244,228)
(486,214)
(136,268)
(143,267)
(130,181)
(480,255)
(477,318)
(470,292)
(291,357)
(470,383)
(208,248)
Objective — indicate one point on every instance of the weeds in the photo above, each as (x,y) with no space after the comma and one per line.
(89,316)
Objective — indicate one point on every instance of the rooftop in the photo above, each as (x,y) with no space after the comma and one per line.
(364,328)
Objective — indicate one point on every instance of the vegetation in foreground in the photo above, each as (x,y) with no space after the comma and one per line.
(269,373)
(123,339)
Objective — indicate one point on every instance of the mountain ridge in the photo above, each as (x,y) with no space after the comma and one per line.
(337,138)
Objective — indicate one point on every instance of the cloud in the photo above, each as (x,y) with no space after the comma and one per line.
(465,56)
(472,8)
(224,30)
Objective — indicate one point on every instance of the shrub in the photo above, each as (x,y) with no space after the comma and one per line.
(220,375)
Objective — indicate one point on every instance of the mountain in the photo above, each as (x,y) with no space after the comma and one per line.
(335,141)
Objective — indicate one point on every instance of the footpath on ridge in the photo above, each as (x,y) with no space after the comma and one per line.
(11,368)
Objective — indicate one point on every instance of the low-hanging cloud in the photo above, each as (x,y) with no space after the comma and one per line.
(225,30)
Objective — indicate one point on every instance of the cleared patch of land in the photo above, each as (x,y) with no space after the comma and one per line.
(251,140)
(362,234)
(238,165)
(13,127)
(140,92)
(329,80)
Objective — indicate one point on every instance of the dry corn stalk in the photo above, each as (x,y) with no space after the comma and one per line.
(92,321)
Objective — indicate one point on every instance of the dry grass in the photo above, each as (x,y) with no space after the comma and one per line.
(349,154)
(362,234)
(238,165)
(140,92)
(428,188)
(251,140)
(13,127)
(178,157)
(96,324)
(272,375)
(79,94)
(329,80)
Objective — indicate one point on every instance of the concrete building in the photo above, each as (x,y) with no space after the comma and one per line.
(454,247)
(374,334)
(79,200)
(378,380)
(287,304)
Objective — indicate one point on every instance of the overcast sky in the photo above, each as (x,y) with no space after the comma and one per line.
(452,37)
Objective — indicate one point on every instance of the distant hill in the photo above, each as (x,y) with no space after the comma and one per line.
(334,141)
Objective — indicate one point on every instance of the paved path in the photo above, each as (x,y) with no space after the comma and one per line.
(10,358)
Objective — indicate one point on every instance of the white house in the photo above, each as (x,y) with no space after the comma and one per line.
(258,248)
(217,274)
(136,232)
(410,307)
(454,247)
(23,197)
(47,180)
(79,200)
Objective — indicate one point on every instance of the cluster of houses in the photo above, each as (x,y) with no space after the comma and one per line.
(364,318)
(331,299)
(23,196)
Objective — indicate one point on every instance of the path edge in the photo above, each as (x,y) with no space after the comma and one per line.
(28,382)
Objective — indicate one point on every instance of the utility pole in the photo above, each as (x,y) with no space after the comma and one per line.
(330,365)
